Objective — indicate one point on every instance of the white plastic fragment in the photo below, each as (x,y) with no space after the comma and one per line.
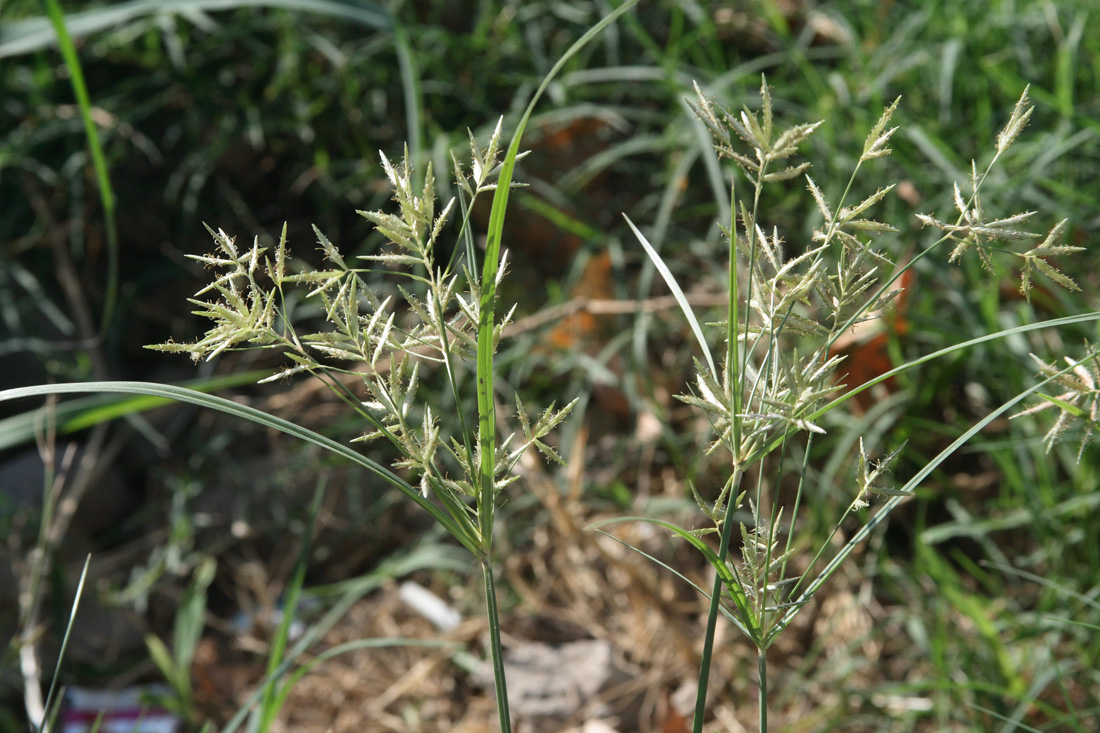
(429,605)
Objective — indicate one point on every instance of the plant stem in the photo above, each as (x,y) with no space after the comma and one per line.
(496,651)
(715,599)
(762,666)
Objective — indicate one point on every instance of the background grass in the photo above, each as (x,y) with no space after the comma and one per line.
(971,611)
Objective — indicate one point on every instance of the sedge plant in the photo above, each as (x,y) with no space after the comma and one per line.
(443,327)
(788,304)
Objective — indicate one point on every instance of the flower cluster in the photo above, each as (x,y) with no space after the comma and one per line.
(434,322)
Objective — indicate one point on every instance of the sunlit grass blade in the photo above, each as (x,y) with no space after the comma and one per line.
(677,292)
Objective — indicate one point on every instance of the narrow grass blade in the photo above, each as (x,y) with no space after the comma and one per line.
(486,346)
(937,151)
(729,616)
(85,412)
(68,634)
(410,86)
(1052,323)
(1046,583)
(34,34)
(189,626)
(723,572)
(162,659)
(274,694)
(420,559)
(229,407)
(692,539)
(103,180)
(490,270)
(1015,724)
(681,299)
(352,646)
(979,616)
(1083,506)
